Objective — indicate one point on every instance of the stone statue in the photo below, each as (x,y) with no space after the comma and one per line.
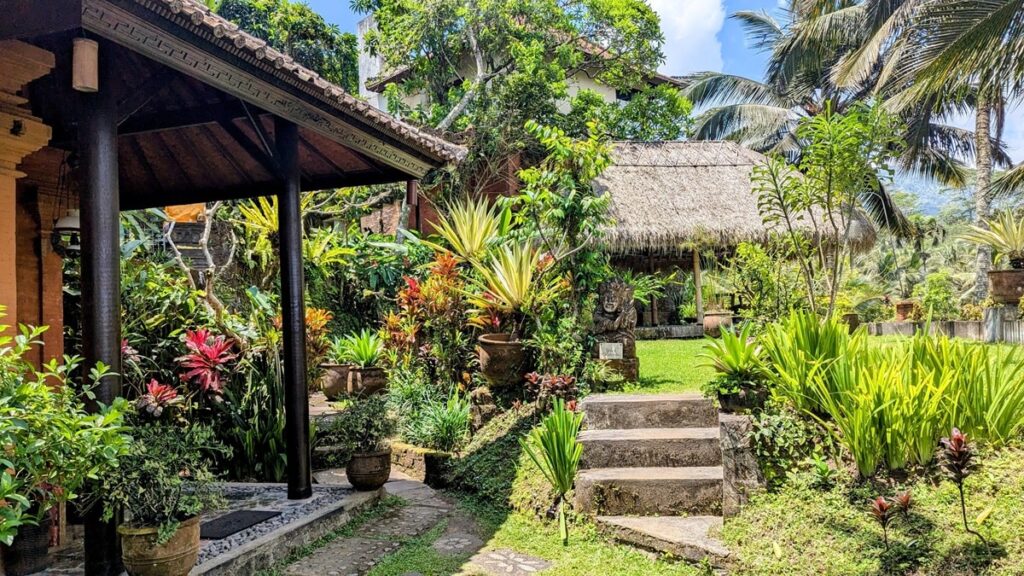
(615,326)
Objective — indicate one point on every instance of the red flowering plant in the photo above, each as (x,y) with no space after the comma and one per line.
(158,399)
(429,325)
(206,362)
(549,386)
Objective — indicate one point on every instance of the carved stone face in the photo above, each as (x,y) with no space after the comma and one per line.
(615,295)
(610,302)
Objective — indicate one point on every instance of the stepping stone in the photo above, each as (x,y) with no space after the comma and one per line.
(693,538)
(650,491)
(461,537)
(626,412)
(646,447)
(343,557)
(505,563)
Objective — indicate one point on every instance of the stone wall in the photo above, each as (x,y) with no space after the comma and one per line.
(741,475)
(427,466)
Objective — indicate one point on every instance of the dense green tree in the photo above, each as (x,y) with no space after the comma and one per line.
(486,67)
(294,28)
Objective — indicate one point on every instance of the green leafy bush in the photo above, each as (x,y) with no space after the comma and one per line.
(164,478)
(50,445)
(364,427)
(782,440)
(937,297)
(439,424)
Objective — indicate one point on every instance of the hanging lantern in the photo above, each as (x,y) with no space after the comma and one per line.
(85,69)
(67,234)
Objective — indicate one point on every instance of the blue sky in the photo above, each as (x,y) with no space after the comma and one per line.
(699,35)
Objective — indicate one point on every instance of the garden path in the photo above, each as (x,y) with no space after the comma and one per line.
(423,510)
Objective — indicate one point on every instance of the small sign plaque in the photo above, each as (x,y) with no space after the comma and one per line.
(610,351)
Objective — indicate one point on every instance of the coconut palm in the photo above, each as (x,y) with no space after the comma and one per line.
(923,50)
(805,52)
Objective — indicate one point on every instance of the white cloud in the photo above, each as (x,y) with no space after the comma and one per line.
(691,28)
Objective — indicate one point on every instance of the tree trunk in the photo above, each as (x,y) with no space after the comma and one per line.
(982,196)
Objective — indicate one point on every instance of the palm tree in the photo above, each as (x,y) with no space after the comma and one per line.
(805,52)
(925,49)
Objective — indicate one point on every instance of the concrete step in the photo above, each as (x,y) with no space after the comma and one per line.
(692,538)
(646,447)
(628,411)
(650,491)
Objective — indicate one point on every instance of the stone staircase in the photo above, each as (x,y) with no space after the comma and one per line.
(652,472)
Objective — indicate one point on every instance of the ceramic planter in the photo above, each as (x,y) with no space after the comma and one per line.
(715,321)
(143,557)
(28,553)
(502,360)
(334,380)
(1006,286)
(366,381)
(369,471)
(904,309)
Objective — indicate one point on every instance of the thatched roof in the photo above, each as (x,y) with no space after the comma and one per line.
(668,196)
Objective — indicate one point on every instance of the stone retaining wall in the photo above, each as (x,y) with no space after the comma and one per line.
(741,475)
(423,464)
(999,325)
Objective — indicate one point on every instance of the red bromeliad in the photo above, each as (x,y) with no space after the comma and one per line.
(157,398)
(883,510)
(207,356)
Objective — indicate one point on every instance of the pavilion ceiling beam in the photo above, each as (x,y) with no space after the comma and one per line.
(187,118)
(261,132)
(143,95)
(268,162)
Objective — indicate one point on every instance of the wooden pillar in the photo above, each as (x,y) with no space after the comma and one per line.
(654,300)
(412,201)
(20,135)
(101,277)
(698,287)
(293,313)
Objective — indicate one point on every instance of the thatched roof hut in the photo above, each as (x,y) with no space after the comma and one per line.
(668,196)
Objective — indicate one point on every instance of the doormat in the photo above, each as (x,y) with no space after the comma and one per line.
(231,523)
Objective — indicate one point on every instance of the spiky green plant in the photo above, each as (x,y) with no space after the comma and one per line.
(1004,234)
(555,449)
(510,283)
(363,349)
(470,227)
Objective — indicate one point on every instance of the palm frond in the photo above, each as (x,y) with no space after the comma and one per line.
(1008,182)
(716,89)
(884,213)
(761,29)
(749,121)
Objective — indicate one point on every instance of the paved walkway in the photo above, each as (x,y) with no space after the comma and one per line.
(424,509)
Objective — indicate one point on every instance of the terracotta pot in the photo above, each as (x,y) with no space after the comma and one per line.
(366,381)
(502,361)
(715,321)
(852,320)
(143,557)
(1006,286)
(369,471)
(28,553)
(904,309)
(745,399)
(334,380)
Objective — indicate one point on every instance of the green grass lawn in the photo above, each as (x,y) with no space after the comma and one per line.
(669,366)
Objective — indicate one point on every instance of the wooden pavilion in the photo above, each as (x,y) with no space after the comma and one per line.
(673,200)
(143,103)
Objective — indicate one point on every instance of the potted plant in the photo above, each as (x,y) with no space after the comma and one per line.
(163,484)
(741,380)
(509,287)
(51,445)
(334,372)
(364,430)
(363,352)
(1005,236)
